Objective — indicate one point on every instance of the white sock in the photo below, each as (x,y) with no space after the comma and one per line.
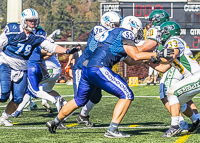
(24,102)
(44,101)
(175,121)
(64,102)
(193,117)
(44,95)
(5,115)
(87,108)
(181,118)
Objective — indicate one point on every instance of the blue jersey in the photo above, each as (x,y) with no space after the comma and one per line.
(94,36)
(110,48)
(19,45)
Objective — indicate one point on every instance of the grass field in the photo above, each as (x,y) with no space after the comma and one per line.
(146,120)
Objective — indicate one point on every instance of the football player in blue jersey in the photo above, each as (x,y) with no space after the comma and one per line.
(18,41)
(114,45)
(37,77)
(108,20)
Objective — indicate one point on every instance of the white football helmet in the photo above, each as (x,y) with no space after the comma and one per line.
(111,19)
(29,14)
(134,24)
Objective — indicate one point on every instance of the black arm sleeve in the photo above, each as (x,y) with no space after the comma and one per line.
(128,42)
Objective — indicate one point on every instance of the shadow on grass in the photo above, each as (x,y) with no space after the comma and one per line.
(140,124)
(130,131)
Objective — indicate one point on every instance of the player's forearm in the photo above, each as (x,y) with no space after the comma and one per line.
(60,50)
(147,46)
(166,61)
(45,57)
(159,67)
(144,56)
(136,55)
(130,62)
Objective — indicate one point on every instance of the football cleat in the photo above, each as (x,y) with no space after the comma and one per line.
(62,127)
(84,120)
(5,122)
(62,101)
(194,126)
(148,84)
(32,106)
(115,134)
(184,127)
(51,126)
(172,132)
(48,107)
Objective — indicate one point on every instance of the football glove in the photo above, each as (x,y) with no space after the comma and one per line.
(164,52)
(155,60)
(72,50)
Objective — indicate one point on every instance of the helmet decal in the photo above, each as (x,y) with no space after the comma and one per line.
(33,12)
(134,24)
(159,15)
(169,27)
(23,14)
(106,19)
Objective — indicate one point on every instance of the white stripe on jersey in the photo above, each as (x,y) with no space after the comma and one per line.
(31,89)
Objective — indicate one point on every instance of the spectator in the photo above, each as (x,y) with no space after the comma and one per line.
(152,71)
(70,66)
(71,62)
(77,54)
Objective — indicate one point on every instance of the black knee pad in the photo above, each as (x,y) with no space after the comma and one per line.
(4,97)
(96,98)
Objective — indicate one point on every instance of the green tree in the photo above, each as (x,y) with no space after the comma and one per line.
(3,13)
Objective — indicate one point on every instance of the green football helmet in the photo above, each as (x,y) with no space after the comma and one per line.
(168,29)
(157,17)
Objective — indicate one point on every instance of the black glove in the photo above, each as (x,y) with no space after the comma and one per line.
(72,50)
(165,53)
(155,60)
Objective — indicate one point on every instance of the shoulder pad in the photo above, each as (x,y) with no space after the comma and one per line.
(128,35)
(41,32)
(154,34)
(12,27)
(99,29)
(39,27)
